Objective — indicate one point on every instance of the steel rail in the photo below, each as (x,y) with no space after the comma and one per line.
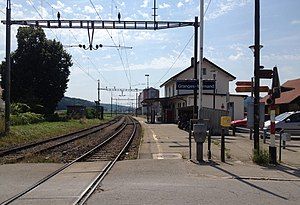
(15,197)
(27,146)
(94,184)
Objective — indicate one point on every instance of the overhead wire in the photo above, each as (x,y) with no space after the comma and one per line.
(127,66)
(181,50)
(75,38)
(32,4)
(120,56)
(87,73)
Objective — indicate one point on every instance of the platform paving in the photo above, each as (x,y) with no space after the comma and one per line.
(164,174)
(160,177)
(64,188)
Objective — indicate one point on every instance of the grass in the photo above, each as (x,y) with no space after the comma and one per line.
(261,157)
(216,142)
(22,134)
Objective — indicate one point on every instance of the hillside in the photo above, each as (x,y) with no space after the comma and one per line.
(67,101)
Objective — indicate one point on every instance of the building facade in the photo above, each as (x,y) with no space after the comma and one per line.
(181,102)
(148,93)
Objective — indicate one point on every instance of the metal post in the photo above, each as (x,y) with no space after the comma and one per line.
(8,68)
(283,144)
(136,103)
(252,90)
(116,107)
(201,56)
(280,140)
(272,147)
(214,97)
(111,106)
(154,15)
(209,145)
(190,139)
(195,111)
(222,146)
(99,92)
(147,91)
(256,76)
(199,152)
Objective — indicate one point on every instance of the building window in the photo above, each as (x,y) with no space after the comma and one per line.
(179,104)
(169,91)
(183,104)
(204,71)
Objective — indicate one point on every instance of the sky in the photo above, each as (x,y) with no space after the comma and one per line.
(228,33)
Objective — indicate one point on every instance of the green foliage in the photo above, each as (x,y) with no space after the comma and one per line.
(39,72)
(17,108)
(261,157)
(91,113)
(56,118)
(22,134)
(26,118)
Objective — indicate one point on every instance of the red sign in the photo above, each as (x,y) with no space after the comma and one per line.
(243,83)
(268,74)
(245,89)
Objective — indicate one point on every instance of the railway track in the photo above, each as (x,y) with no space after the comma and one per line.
(19,153)
(120,140)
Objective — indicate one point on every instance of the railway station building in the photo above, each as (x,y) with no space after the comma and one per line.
(178,104)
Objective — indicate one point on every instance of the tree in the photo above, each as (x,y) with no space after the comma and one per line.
(39,70)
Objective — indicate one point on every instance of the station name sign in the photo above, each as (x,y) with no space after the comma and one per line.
(187,85)
(209,84)
(194,84)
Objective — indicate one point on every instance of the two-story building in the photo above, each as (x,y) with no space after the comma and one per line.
(147,93)
(180,102)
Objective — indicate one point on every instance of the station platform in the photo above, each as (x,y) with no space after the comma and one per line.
(164,174)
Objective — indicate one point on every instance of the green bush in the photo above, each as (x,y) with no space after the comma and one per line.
(91,113)
(56,118)
(26,118)
(17,108)
(261,157)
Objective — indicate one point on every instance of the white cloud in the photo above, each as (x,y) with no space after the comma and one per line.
(59,5)
(107,57)
(145,3)
(180,4)
(91,10)
(295,22)
(68,10)
(156,63)
(164,5)
(238,53)
(143,14)
(17,5)
(224,7)
(281,57)
(148,35)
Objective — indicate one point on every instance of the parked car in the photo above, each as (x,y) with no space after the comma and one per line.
(239,123)
(288,121)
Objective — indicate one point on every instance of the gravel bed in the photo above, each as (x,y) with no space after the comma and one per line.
(72,150)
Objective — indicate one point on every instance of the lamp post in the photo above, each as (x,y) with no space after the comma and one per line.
(214,94)
(256,48)
(8,68)
(147,91)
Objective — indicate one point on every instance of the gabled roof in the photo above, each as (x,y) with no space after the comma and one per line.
(190,67)
(290,90)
